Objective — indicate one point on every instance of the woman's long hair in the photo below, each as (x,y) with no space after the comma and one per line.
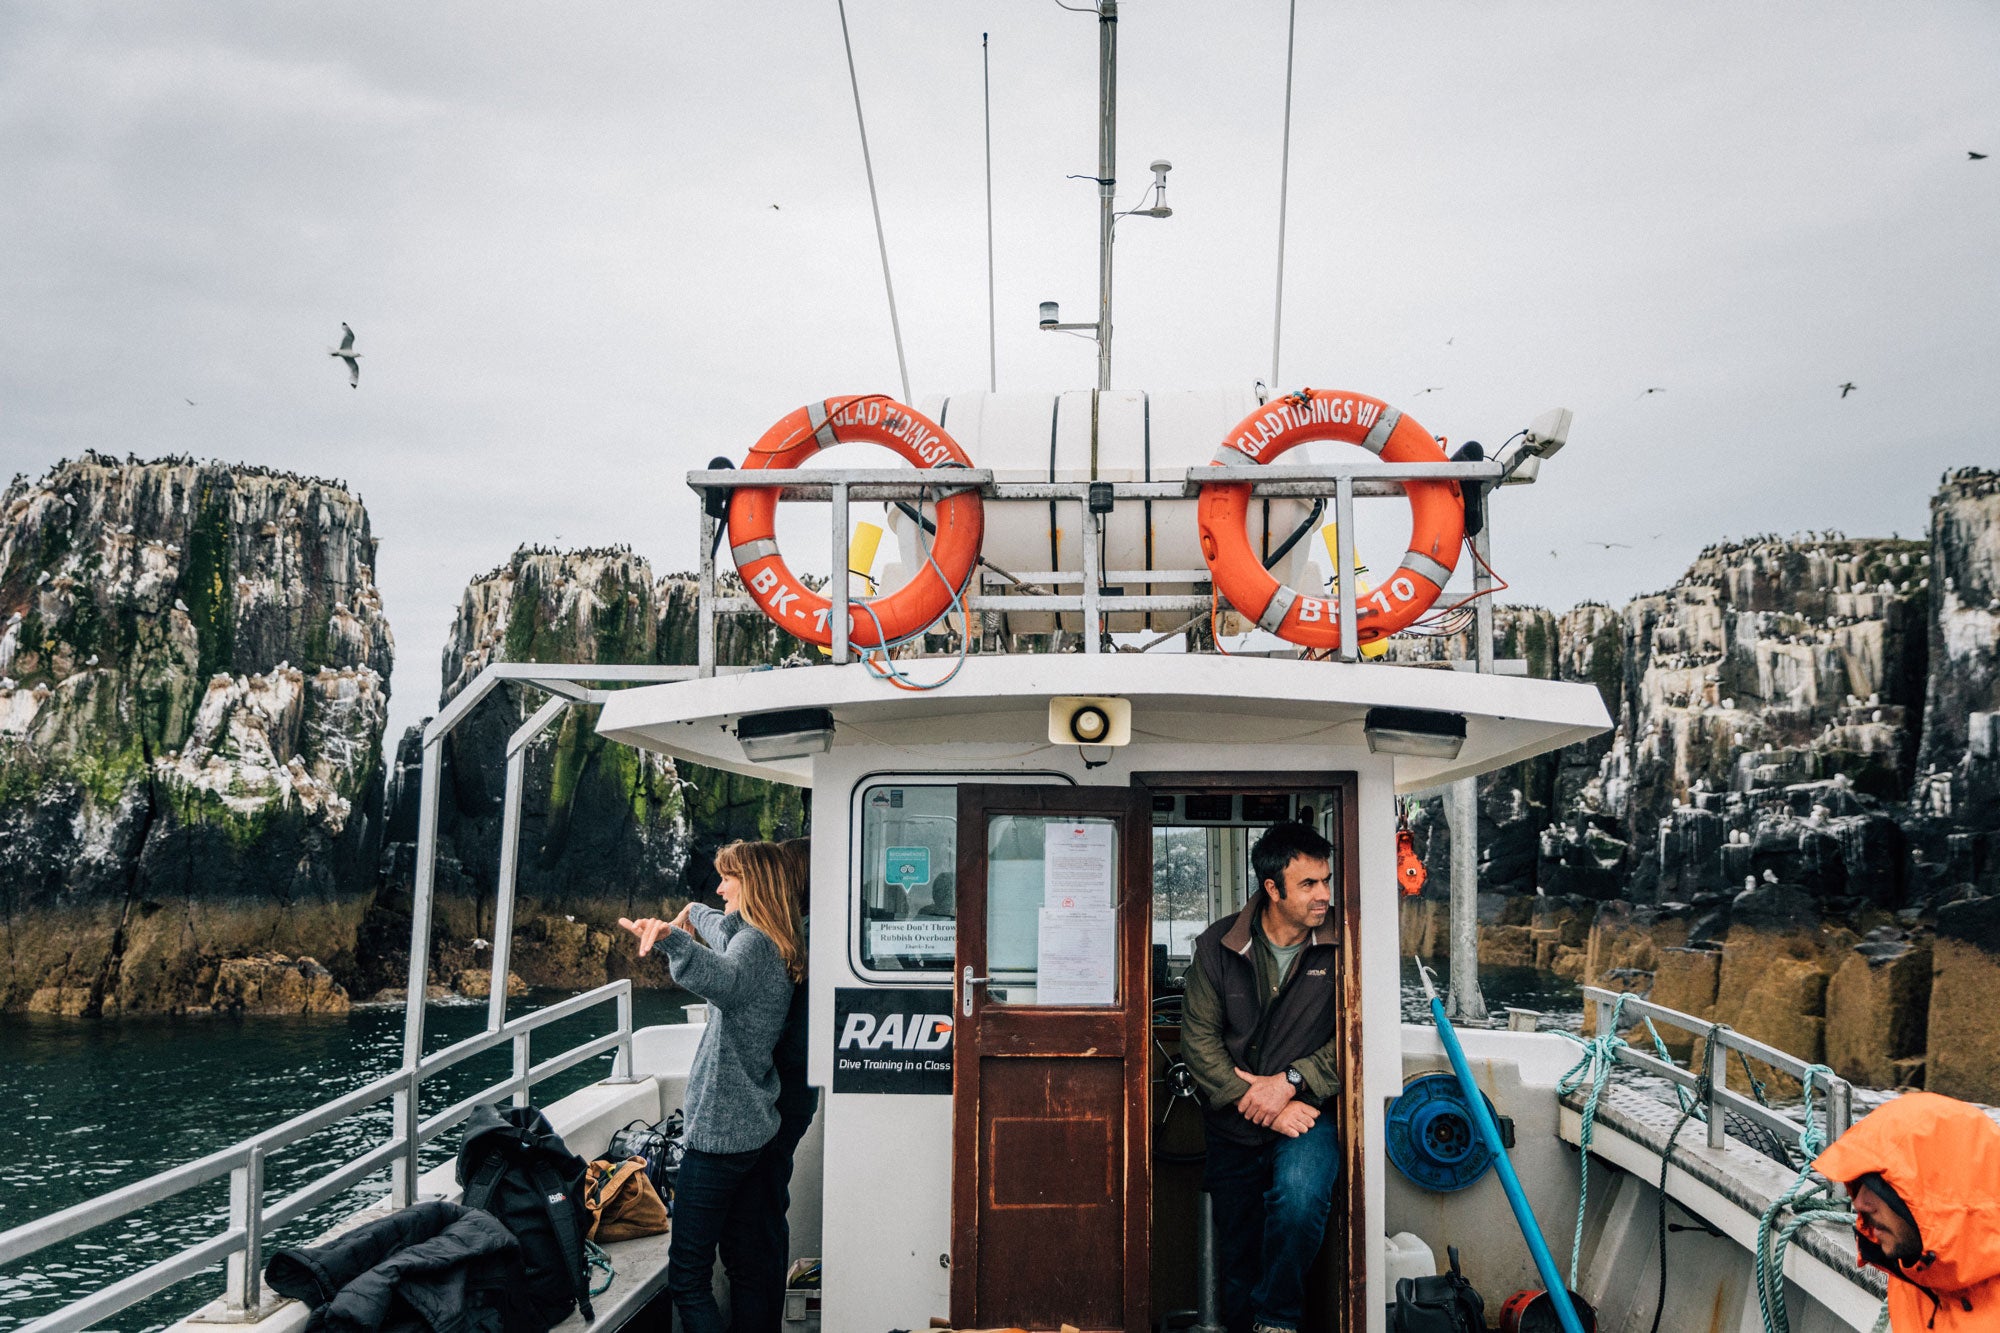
(767,901)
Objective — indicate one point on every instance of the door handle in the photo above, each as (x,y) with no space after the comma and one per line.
(966,983)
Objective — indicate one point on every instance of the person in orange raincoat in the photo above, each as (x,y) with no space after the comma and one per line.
(1924,1174)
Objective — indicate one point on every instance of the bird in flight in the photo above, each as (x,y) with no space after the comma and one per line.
(1435,388)
(776,209)
(1655,390)
(347,353)
(1608,545)
(1847,388)
(188,401)
(1976,157)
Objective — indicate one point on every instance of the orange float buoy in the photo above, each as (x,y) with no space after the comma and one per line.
(1437,512)
(873,622)
(1410,871)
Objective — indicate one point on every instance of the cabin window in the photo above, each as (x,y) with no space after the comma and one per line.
(908,908)
(904,923)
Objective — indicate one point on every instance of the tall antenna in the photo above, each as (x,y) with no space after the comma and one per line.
(992,344)
(1284,190)
(868,165)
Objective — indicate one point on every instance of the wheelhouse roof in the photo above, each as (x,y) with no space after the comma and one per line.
(1177,699)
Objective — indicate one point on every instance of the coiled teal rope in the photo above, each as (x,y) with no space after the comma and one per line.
(1807,1201)
(1600,1053)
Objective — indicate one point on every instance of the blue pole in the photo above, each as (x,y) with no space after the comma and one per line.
(1531,1231)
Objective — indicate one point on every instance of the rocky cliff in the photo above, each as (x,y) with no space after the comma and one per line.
(1795,825)
(193,691)
(606,831)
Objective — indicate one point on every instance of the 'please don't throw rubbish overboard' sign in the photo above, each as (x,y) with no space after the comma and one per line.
(892,1041)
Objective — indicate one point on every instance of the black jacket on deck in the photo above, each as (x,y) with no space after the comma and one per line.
(425,1267)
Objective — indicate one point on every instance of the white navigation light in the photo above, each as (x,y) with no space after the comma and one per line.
(1414,731)
(791,733)
(1082,720)
(1051,314)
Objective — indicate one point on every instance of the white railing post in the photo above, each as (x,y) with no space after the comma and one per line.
(621,1064)
(1716,1060)
(704,650)
(838,585)
(243,1290)
(1343,559)
(523,1062)
(510,855)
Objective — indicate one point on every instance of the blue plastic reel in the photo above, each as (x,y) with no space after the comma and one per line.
(1432,1139)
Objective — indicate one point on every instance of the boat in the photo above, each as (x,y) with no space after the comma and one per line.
(1020,822)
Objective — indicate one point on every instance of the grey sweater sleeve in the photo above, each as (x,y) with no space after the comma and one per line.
(713,926)
(729,975)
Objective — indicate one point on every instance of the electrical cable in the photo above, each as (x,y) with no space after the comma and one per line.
(878,661)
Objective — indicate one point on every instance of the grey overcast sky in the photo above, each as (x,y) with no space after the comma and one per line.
(552,228)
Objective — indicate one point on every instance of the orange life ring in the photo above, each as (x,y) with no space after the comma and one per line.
(873,622)
(1437,512)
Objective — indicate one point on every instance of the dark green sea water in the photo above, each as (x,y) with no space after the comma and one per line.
(87,1106)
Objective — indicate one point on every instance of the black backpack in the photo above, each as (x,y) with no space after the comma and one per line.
(1442,1304)
(515,1166)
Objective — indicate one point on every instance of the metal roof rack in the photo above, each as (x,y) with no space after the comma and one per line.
(1341,483)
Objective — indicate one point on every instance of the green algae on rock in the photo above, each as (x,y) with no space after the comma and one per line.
(193,690)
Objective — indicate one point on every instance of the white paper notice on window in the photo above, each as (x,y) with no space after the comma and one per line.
(1079,956)
(1077,865)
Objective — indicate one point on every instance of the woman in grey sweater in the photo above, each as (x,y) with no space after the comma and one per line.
(744,961)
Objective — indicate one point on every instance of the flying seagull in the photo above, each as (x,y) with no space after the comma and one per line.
(1976,157)
(1847,388)
(1433,389)
(1608,545)
(1657,390)
(347,353)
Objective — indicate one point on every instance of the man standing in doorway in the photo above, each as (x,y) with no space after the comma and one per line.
(1259,1032)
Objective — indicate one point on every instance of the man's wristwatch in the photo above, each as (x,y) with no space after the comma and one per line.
(1294,1077)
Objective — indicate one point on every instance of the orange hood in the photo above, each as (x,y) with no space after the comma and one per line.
(1943,1157)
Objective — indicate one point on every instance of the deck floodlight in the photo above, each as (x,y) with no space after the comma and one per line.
(790,733)
(1549,432)
(1090,721)
(1521,457)
(1414,731)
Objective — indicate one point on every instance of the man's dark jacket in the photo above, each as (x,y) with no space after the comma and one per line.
(1300,1019)
(425,1267)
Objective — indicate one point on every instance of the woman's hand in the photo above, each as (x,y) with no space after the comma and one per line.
(649,929)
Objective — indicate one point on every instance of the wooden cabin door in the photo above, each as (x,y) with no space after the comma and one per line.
(1051,1164)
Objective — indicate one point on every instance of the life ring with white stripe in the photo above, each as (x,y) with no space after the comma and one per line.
(1437,518)
(873,622)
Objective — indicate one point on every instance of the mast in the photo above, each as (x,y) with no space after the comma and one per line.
(1107,172)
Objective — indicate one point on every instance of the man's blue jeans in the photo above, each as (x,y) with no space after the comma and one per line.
(1270,1203)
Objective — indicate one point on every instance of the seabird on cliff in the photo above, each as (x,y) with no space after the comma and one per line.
(347,353)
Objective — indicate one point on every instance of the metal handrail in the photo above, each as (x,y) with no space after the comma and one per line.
(251,1218)
(1719,1039)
